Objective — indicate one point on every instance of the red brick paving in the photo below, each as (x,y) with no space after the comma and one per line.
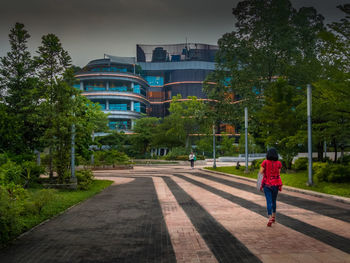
(276,244)
(269,244)
(187,242)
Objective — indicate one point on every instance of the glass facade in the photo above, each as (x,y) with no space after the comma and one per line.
(119,124)
(109,69)
(94,85)
(119,105)
(154,80)
(139,107)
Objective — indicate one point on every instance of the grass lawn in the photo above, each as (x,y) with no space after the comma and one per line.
(295,179)
(60,201)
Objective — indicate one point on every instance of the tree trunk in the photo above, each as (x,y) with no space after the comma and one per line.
(335,150)
(187,141)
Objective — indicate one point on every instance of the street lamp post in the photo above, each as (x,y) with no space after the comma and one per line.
(246,138)
(73,177)
(214,159)
(309,132)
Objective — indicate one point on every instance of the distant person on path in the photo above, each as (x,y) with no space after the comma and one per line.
(192,158)
(271,182)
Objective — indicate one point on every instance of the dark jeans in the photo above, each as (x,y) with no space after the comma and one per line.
(192,163)
(271,197)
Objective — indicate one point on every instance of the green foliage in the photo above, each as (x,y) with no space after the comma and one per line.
(186,117)
(10,172)
(178,153)
(301,164)
(31,171)
(42,198)
(145,128)
(19,96)
(9,216)
(256,164)
(252,146)
(21,212)
(85,179)
(110,157)
(227,147)
(205,144)
(327,172)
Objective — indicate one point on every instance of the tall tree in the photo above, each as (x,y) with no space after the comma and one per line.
(185,118)
(53,67)
(332,92)
(19,95)
(271,40)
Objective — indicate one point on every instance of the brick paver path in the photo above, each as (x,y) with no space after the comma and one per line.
(175,214)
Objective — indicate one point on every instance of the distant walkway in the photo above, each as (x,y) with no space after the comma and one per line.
(175,214)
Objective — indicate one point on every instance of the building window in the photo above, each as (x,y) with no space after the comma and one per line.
(121,106)
(155,80)
(119,86)
(94,86)
(139,107)
(119,124)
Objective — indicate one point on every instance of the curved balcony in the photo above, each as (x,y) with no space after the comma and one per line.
(115,95)
(126,76)
(123,114)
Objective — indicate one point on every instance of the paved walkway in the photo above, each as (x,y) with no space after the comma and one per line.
(175,214)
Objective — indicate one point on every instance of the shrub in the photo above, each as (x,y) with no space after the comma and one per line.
(345,159)
(42,198)
(85,179)
(3,158)
(328,172)
(10,172)
(301,163)
(9,214)
(110,157)
(31,172)
(256,164)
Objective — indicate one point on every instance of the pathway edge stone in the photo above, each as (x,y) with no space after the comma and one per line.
(288,188)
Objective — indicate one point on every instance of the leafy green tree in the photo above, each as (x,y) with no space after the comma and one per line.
(331,95)
(205,144)
(19,96)
(279,119)
(87,118)
(144,133)
(227,147)
(163,136)
(53,67)
(185,118)
(271,40)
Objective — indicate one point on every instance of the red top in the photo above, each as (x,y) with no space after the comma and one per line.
(271,173)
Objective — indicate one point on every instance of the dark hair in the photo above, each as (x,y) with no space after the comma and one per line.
(272,154)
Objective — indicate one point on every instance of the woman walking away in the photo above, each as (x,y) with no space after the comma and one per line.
(271,182)
(192,158)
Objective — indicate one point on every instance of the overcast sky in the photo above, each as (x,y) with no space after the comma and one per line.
(90,28)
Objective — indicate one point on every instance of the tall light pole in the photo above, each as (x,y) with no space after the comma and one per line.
(246,138)
(214,159)
(73,177)
(309,132)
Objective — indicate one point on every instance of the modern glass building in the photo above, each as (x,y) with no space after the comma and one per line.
(128,87)
(113,82)
(174,69)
